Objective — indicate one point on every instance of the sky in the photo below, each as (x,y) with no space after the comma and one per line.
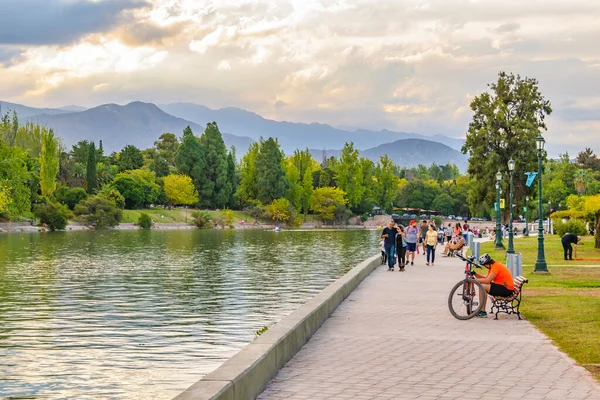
(406,65)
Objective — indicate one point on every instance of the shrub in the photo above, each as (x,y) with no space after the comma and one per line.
(54,215)
(70,196)
(201,219)
(113,195)
(99,211)
(574,226)
(364,217)
(437,221)
(145,221)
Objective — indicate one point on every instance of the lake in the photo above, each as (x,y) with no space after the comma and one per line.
(144,314)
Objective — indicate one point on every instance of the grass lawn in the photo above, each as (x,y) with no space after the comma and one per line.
(565,304)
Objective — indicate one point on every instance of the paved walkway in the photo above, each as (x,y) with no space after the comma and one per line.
(393,338)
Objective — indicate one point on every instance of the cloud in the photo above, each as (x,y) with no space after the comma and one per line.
(38,22)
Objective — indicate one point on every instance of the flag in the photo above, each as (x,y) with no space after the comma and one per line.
(530,177)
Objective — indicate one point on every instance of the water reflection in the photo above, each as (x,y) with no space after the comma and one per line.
(143,314)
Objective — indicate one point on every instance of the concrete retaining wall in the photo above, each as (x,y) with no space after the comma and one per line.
(246,374)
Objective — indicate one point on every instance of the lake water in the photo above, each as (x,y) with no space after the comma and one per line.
(144,314)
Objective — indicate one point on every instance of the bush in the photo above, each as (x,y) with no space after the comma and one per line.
(113,195)
(364,217)
(574,226)
(70,196)
(54,215)
(144,221)
(201,219)
(437,221)
(99,211)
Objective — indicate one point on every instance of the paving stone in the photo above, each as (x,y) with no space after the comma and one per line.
(394,337)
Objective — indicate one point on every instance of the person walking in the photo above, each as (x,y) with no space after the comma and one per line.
(389,243)
(412,232)
(449,233)
(401,247)
(422,234)
(431,242)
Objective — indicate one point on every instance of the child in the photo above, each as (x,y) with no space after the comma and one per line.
(383,255)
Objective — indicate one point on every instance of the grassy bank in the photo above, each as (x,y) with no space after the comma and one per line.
(565,304)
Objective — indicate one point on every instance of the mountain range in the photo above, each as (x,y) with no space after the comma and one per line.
(141,124)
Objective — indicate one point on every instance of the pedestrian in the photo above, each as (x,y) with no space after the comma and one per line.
(449,233)
(412,232)
(567,240)
(431,242)
(389,239)
(422,234)
(401,247)
(465,229)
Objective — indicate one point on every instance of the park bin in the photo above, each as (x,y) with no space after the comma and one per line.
(514,263)
(476,250)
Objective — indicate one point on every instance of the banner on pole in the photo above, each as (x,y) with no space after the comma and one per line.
(530,177)
(502,203)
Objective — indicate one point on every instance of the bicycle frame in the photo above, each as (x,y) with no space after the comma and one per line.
(468,292)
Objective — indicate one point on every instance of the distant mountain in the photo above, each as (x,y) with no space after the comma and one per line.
(292,135)
(26,112)
(408,153)
(136,123)
(72,108)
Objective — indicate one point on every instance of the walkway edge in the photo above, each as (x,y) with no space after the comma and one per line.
(246,374)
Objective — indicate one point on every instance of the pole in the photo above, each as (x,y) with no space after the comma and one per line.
(526,217)
(498,244)
(540,264)
(511,248)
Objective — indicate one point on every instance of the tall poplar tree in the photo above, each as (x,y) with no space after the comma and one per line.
(270,175)
(232,176)
(348,175)
(294,192)
(307,190)
(189,159)
(49,162)
(91,177)
(216,189)
(247,189)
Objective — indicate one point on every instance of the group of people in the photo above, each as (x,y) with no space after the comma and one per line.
(401,243)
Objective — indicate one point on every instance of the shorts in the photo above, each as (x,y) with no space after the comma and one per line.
(500,290)
(411,247)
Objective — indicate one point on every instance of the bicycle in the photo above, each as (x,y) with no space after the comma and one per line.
(467,294)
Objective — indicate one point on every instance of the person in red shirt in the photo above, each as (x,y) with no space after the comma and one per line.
(498,282)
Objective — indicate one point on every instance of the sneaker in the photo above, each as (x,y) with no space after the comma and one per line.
(481,314)
(426,263)
(412,263)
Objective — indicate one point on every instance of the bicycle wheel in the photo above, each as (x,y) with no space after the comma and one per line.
(466,299)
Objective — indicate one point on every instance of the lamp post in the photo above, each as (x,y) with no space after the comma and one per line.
(526,219)
(540,264)
(511,247)
(498,244)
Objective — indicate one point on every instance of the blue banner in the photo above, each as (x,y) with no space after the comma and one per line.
(530,177)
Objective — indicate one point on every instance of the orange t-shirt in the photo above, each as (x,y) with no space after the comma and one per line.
(503,276)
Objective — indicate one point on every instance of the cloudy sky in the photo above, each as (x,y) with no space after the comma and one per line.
(408,65)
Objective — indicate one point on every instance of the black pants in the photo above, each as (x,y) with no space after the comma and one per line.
(401,255)
(568,250)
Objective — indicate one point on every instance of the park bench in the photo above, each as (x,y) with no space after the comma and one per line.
(510,305)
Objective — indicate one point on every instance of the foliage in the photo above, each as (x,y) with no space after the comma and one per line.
(386,183)
(294,192)
(130,158)
(99,212)
(215,188)
(574,226)
(341,214)
(138,187)
(49,161)
(437,221)
(144,221)
(505,125)
(70,196)
(90,176)
(348,175)
(307,190)
(113,195)
(280,210)
(247,189)
(325,201)
(586,159)
(270,175)
(5,198)
(14,177)
(189,158)
(201,219)
(586,208)
(54,215)
(179,189)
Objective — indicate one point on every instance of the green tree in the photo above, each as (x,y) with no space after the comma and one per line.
(505,124)
(270,175)
(14,178)
(216,189)
(247,189)
(189,159)
(586,159)
(54,215)
(130,158)
(167,146)
(386,185)
(91,177)
(70,196)
(294,193)
(180,190)
(99,212)
(138,187)
(326,200)
(280,209)
(442,203)
(49,161)
(307,190)
(144,221)
(348,175)
(232,176)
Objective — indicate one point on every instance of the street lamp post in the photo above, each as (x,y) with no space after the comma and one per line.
(540,264)
(498,244)
(511,247)
(526,219)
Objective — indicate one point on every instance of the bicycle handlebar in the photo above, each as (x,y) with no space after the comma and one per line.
(470,260)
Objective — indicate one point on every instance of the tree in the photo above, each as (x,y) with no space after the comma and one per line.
(70,196)
(14,178)
(294,193)
(348,175)
(54,215)
(91,176)
(180,190)
(49,160)
(270,175)
(5,199)
(326,200)
(386,185)
(130,158)
(307,190)
(189,159)
(586,159)
(167,146)
(215,190)
(505,124)
(138,187)
(247,189)
(99,212)
(280,210)
(586,208)
(232,176)
(442,203)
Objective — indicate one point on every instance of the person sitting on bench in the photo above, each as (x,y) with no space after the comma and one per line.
(455,245)
(498,282)
(567,240)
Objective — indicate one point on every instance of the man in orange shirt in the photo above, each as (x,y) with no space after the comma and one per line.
(498,282)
